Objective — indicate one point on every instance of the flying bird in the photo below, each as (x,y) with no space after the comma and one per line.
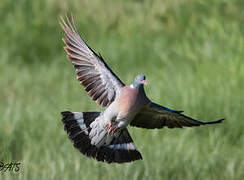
(104,135)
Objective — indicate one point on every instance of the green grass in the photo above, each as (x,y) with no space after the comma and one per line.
(190,51)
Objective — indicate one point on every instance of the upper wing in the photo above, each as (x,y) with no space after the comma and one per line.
(91,70)
(156,116)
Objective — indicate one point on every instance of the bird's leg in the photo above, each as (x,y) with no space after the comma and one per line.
(109,127)
(112,128)
(115,129)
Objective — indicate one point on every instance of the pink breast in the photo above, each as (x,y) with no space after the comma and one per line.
(127,100)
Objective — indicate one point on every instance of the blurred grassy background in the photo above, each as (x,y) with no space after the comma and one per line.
(192,53)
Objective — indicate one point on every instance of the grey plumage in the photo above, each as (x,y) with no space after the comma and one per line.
(103,135)
(91,70)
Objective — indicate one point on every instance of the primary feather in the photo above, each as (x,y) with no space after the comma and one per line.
(91,70)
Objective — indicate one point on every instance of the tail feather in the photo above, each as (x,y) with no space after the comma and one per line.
(120,150)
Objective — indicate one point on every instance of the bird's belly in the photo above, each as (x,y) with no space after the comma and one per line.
(128,108)
(128,104)
(127,114)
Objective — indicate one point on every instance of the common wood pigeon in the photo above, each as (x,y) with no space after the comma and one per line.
(103,135)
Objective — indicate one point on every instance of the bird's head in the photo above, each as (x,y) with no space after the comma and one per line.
(140,80)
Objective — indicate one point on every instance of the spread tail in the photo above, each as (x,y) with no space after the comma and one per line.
(120,150)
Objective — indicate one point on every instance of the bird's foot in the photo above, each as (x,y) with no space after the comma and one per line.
(109,127)
(112,129)
(115,129)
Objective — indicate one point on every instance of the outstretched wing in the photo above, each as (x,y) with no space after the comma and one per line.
(91,70)
(156,116)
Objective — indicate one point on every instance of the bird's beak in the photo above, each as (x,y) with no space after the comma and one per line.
(144,82)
